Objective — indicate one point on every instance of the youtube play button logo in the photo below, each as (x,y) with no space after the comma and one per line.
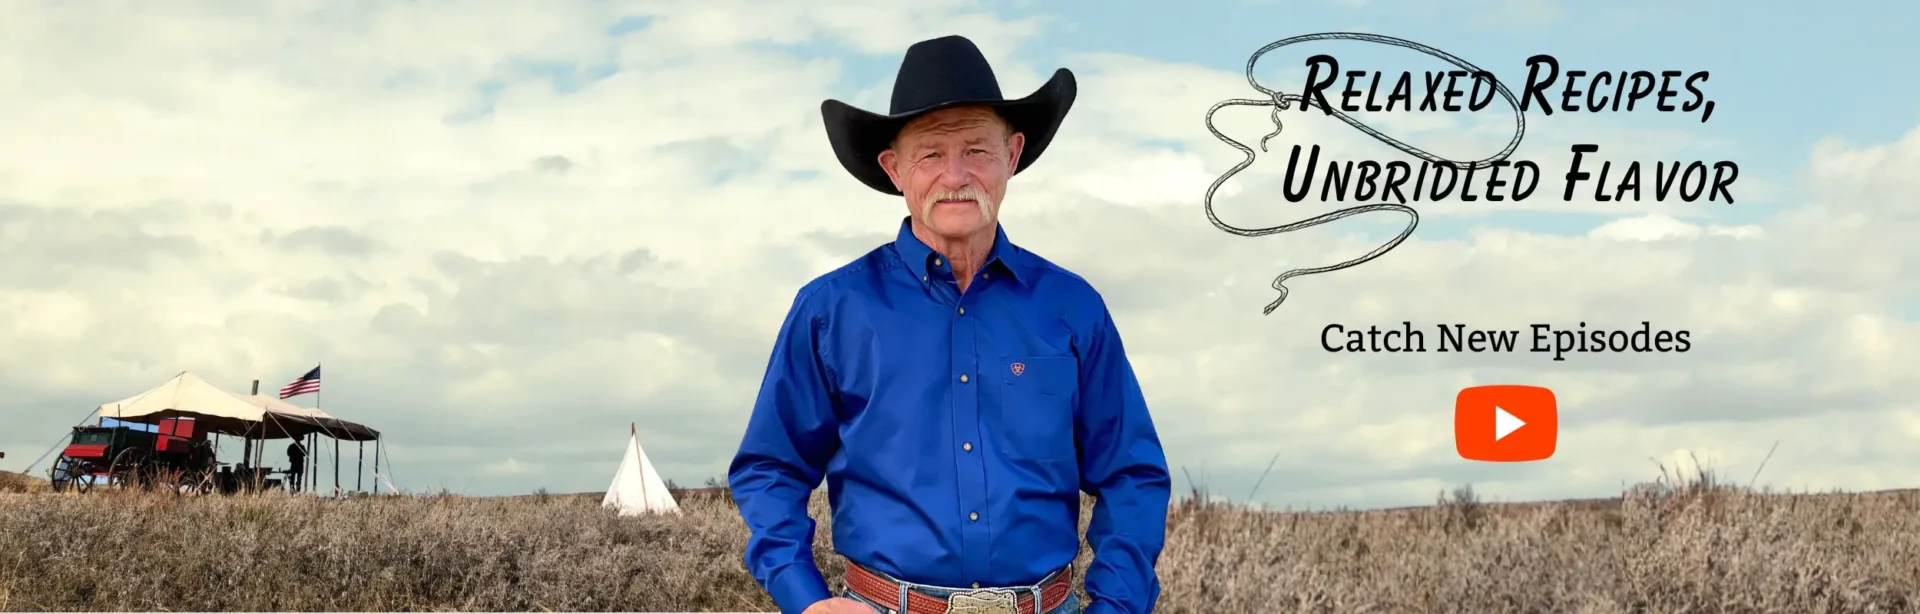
(1505,424)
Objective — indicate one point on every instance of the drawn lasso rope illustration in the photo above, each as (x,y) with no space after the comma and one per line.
(1281,102)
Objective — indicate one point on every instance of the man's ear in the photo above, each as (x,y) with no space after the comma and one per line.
(887,158)
(1016,143)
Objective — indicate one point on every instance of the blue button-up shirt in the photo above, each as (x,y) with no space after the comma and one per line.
(954,431)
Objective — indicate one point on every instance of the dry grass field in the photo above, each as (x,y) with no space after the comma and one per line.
(1688,547)
(15,483)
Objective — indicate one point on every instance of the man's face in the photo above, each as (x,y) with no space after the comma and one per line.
(952,165)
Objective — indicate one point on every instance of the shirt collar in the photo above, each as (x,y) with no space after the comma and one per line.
(1004,258)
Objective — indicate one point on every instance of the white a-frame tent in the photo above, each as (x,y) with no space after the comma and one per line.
(637,488)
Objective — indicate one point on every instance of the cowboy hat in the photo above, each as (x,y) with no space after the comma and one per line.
(937,74)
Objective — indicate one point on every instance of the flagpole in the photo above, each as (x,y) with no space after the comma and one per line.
(315,438)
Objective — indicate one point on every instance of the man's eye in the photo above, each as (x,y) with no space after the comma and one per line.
(976,151)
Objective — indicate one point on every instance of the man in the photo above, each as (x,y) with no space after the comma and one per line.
(955,391)
(297,459)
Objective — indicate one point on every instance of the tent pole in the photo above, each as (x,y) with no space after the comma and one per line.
(253,463)
(336,467)
(246,451)
(360,466)
(260,454)
(376,465)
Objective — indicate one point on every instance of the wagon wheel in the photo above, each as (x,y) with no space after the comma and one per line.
(203,484)
(72,473)
(126,467)
(199,479)
(61,474)
(184,482)
(165,479)
(84,476)
(157,478)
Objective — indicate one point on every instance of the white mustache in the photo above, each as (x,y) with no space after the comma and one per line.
(973,194)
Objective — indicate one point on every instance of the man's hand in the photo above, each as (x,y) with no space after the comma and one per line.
(839,605)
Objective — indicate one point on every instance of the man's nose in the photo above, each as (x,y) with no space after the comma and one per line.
(953,173)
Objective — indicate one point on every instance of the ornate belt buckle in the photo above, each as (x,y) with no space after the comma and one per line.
(984,601)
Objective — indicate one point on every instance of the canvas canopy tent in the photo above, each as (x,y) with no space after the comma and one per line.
(637,488)
(216,410)
(226,413)
(288,419)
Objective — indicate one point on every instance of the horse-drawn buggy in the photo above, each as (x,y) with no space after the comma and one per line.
(177,458)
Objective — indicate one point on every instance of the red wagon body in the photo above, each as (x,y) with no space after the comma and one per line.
(176,457)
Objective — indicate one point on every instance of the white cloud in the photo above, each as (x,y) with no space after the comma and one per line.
(1656,227)
(509,466)
(243,194)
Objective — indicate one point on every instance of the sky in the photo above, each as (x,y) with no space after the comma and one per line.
(511,230)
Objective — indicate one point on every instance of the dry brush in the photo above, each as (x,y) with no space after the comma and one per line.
(1694,547)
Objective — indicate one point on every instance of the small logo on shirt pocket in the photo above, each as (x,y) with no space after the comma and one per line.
(1036,409)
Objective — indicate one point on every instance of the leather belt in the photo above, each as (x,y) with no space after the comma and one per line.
(886,592)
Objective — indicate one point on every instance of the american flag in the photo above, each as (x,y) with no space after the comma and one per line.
(307,384)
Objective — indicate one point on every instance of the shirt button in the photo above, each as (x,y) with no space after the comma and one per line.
(963,311)
(976,585)
(963,378)
(973,516)
(985,275)
(967,446)
(923,278)
(936,262)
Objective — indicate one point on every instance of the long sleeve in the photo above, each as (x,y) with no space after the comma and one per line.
(790,436)
(1123,466)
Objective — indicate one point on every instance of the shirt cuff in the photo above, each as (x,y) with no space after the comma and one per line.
(796,587)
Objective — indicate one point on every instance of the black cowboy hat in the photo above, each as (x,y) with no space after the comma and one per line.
(938,74)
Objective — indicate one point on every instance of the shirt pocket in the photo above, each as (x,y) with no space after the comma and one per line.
(1036,407)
